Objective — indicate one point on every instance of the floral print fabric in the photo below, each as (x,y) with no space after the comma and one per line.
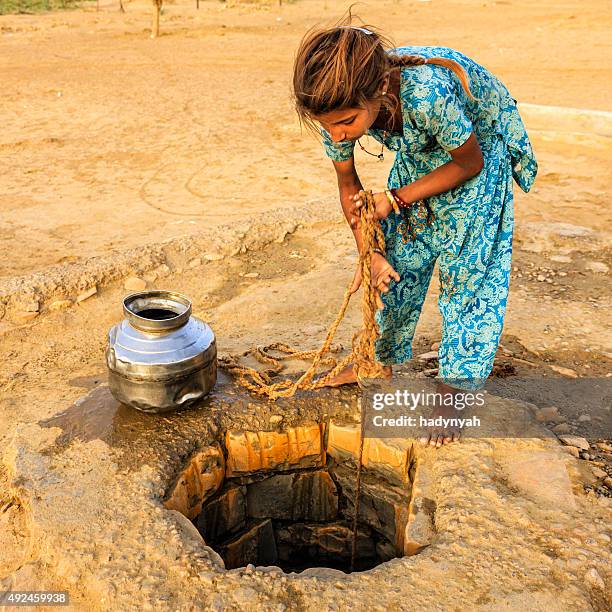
(471,234)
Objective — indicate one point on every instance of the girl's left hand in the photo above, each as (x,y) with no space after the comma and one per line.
(381,202)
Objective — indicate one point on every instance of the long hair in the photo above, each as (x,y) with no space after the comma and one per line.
(344,66)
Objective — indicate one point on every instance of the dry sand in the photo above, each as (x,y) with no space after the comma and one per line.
(153,140)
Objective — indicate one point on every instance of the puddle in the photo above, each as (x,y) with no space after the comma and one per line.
(139,438)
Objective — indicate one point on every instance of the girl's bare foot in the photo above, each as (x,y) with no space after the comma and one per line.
(347,376)
(440,436)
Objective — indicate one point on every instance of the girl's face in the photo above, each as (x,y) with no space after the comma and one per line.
(349,123)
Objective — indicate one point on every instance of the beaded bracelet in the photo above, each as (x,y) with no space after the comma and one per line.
(401,203)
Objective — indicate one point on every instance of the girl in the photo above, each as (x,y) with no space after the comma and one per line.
(458,141)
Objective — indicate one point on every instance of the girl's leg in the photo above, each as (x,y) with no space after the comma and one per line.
(474,286)
(414,261)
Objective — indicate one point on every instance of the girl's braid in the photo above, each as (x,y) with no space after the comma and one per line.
(407,60)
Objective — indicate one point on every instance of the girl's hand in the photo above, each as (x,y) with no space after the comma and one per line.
(382,275)
(382,207)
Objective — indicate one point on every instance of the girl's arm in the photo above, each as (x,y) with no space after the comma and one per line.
(467,162)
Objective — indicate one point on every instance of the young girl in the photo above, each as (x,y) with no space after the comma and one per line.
(458,141)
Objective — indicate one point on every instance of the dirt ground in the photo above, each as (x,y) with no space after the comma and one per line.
(112,140)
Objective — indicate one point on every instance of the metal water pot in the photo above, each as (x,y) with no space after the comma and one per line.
(160,357)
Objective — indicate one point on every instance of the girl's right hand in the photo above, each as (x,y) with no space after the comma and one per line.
(382,275)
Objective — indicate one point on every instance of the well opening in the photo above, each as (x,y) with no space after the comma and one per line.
(287,498)
(304,518)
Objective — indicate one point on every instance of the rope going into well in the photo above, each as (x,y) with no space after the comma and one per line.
(362,355)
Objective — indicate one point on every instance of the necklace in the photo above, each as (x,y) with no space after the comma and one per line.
(381,155)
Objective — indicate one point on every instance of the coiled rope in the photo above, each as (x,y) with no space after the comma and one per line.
(362,354)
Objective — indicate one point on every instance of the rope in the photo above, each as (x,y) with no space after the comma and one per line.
(362,354)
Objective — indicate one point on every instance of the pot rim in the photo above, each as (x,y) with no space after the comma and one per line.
(170,300)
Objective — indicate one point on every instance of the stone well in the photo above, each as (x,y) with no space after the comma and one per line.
(286,497)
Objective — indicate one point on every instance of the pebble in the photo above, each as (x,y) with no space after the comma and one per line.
(276,419)
(604,447)
(547,414)
(564,371)
(608,482)
(134,283)
(251,275)
(435,346)
(584,418)
(30,306)
(428,356)
(577,441)
(561,428)
(598,473)
(84,295)
(194,263)
(593,578)
(597,266)
(162,270)
(60,304)
(541,278)
(24,317)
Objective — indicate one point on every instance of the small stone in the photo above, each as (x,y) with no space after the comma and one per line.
(577,441)
(548,413)
(162,270)
(29,306)
(134,283)
(573,451)
(604,447)
(561,428)
(275,419)
(194,263)
(564,371)
(60,304)
(608,482)
(597,266)
(251,275)
(435,346)
(212,256)
(541,278)
(428,356)
(84,295)
(584,418)
(598,473)
(24,317)
(594,579)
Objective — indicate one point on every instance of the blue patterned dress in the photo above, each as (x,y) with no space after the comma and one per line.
(471,232)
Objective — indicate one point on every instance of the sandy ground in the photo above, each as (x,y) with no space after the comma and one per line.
(151,140)
(112,140)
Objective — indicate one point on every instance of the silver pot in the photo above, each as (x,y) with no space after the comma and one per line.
(159,357)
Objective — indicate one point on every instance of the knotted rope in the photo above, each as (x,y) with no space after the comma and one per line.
(362,355)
